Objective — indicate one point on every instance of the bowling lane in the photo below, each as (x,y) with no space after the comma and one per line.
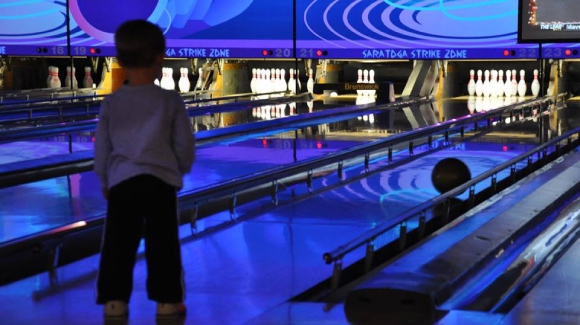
(59,145)
(391,192)
(77,197)
(34,149)
(259,262)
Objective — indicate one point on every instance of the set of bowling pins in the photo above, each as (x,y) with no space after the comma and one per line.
(274,80)
(367,118)
(476,104)
(167,81)
(366,77)
(271,80)
(493,84)
(53,81)
(268,112)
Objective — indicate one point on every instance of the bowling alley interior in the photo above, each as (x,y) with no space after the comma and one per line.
(357,162)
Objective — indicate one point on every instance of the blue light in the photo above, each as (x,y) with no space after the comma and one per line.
(446,8)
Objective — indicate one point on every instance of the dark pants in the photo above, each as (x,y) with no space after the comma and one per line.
(142,205)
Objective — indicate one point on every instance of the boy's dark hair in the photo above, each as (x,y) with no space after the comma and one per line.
(138,43)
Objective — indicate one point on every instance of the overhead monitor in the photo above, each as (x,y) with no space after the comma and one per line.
(410,29)
(33,27)
(549,21)
(192,28)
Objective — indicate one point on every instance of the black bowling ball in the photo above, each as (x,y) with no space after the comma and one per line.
(449,173)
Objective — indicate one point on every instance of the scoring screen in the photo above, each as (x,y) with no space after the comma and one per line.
(33,27)
(412,29)
(547,21)
(193,28)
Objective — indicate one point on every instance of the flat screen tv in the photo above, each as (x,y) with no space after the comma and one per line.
(193,28)
(548,21)
(33,27)
(410,29)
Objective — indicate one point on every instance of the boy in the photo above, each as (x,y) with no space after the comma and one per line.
(144,145)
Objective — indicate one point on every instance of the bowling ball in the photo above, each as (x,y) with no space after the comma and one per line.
(449,173)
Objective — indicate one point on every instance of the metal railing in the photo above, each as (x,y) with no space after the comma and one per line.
(420,211)
(65,98)
(72,107)
(28,98)
(89,125)
(47,131)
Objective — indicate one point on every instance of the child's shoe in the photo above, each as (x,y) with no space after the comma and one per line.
(166,310)
(116,309)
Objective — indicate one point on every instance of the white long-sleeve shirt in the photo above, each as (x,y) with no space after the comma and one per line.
(143,130)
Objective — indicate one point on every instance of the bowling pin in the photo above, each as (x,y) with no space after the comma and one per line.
(156,82)
(75,82)
(282,82)
(275,85)
(298,83)
(486,104)
(372,81)
(535,84)
(292,82)
(49,78)
(365,81)
(184,84)
(471,104)
(493,83)
(478,104)
(471,83)
(514,83)
(277,81)
(507,87)
(522,87)
(283,110)
(292,108)
(486,89)
(272,80)
(163,81)
(67,80)
(88,80)
(199,83)
(172,81)
(500,83)
(253,81)
(55,80)
(479,84)
(310,82)
(266,82)
(260,86)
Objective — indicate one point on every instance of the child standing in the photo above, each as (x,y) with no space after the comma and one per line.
(144,145)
